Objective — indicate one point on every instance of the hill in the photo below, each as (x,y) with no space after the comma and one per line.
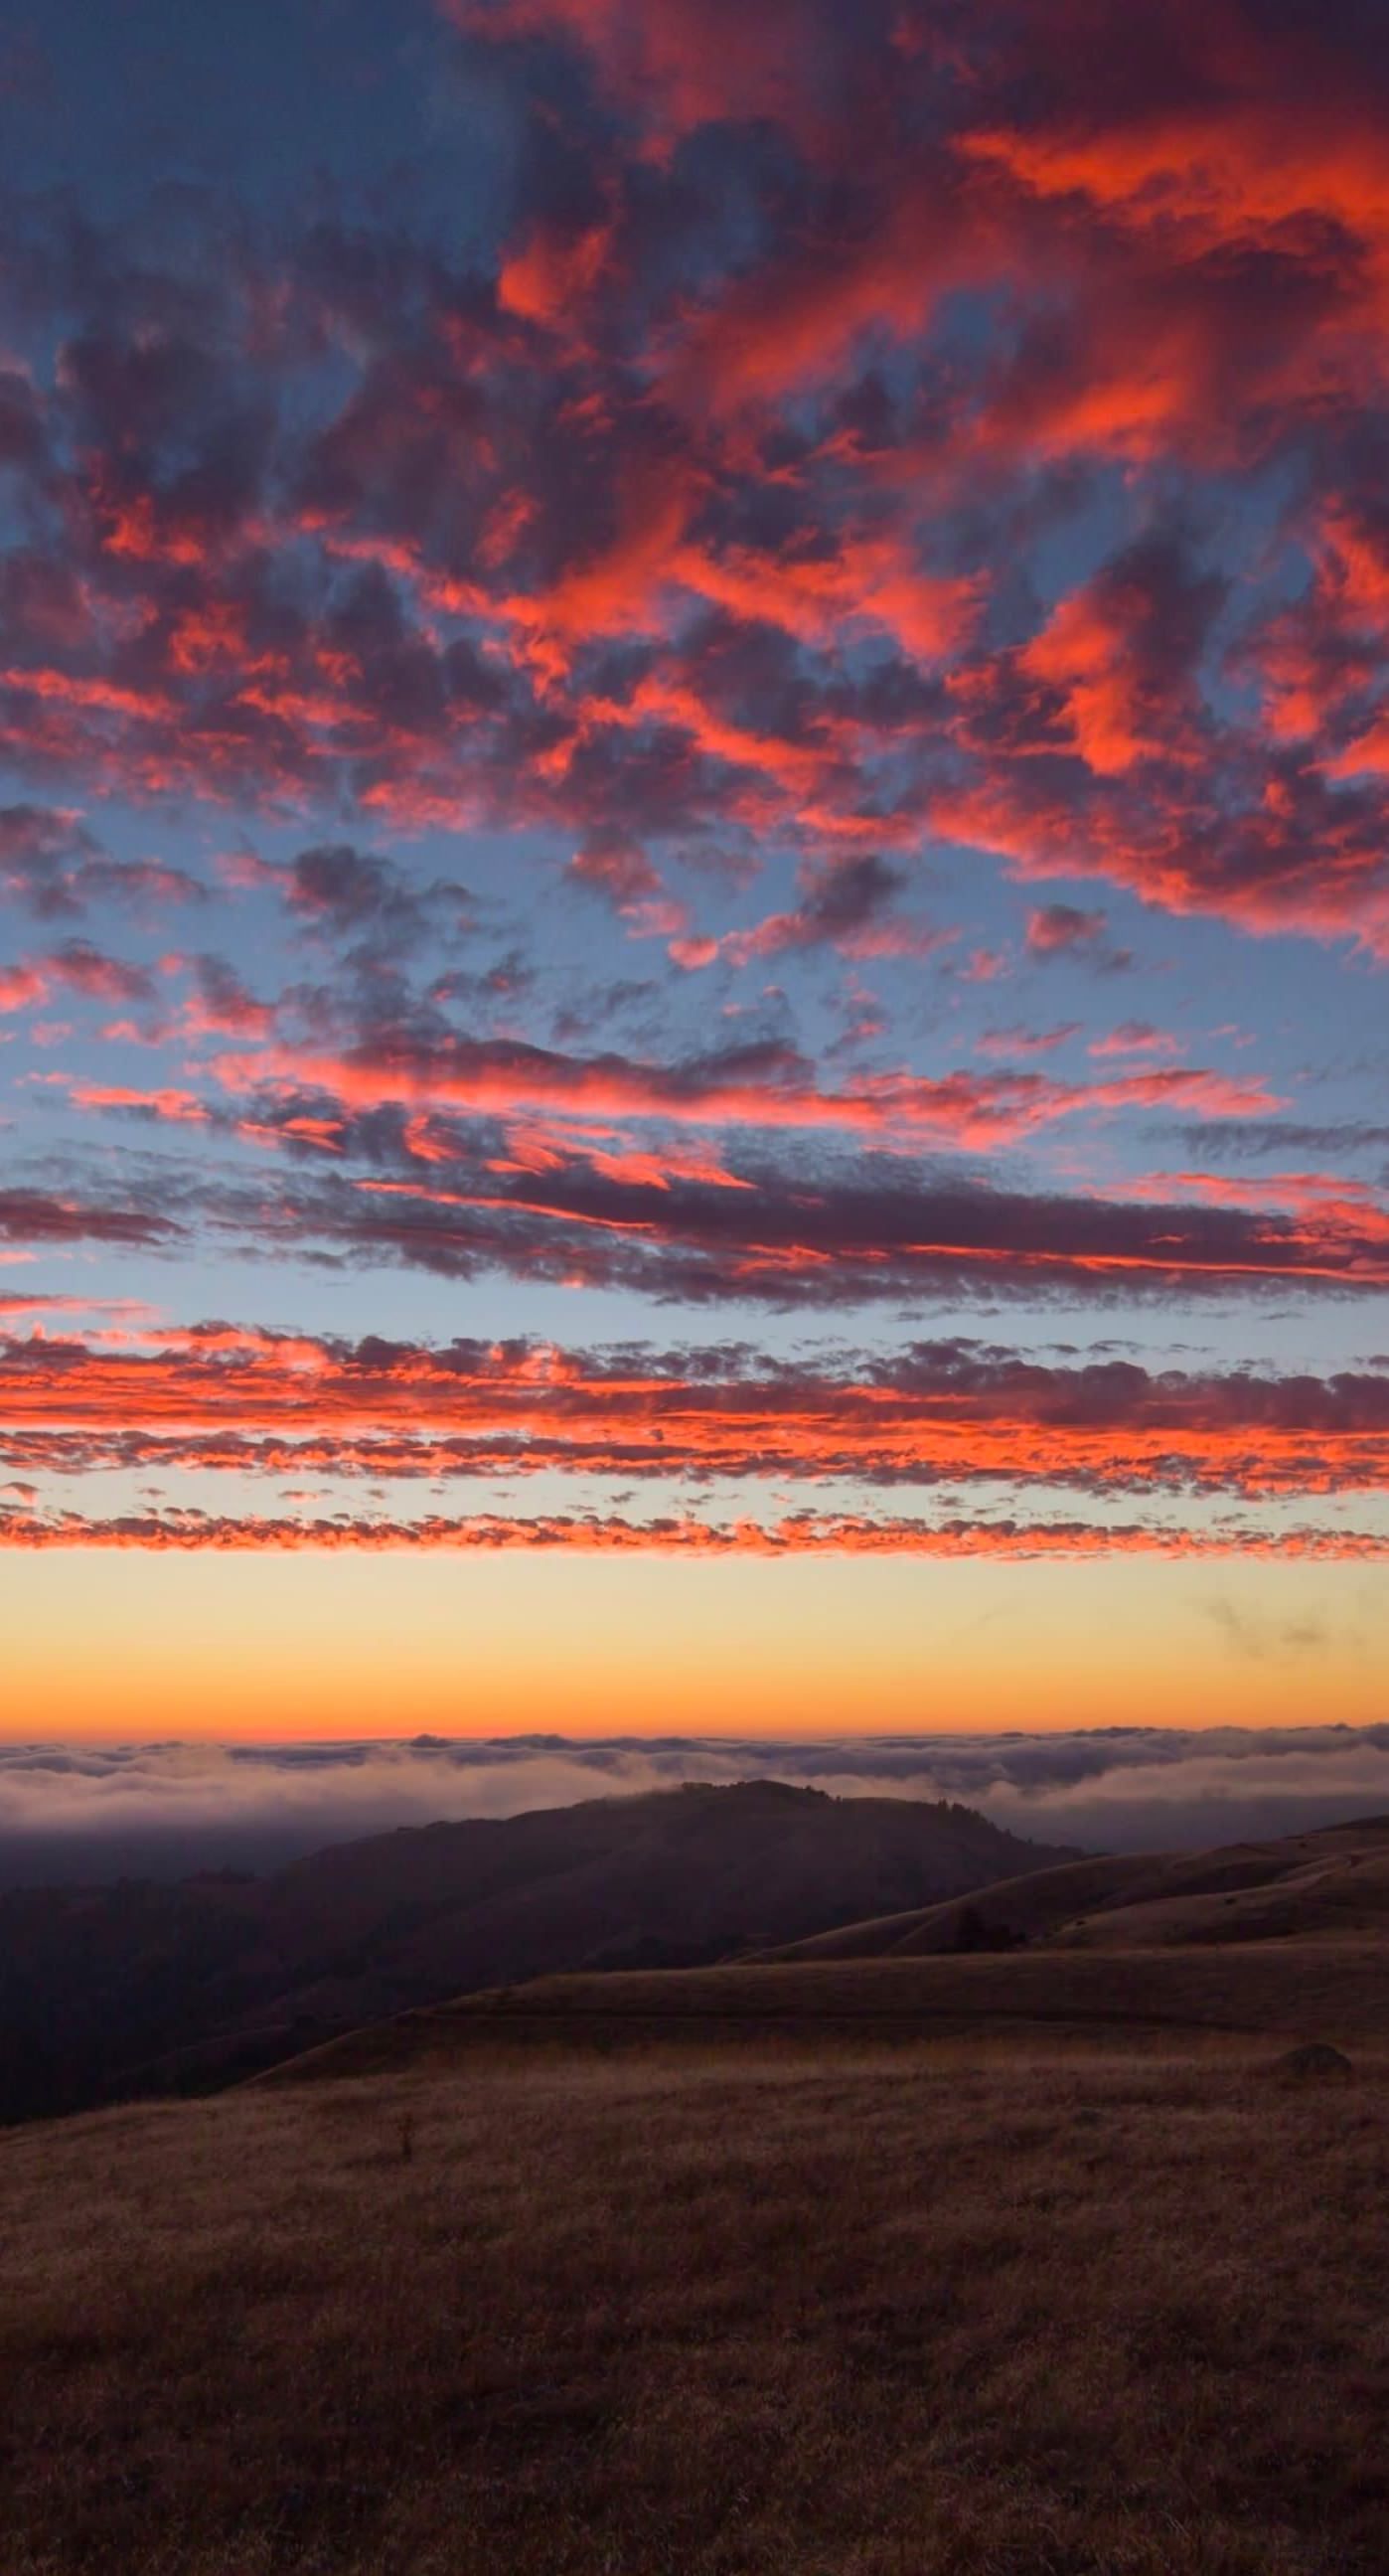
(1032,2259)
(1332,1881)
(712,2310)
(110,1991)
(1050,1998)
(1289,1937)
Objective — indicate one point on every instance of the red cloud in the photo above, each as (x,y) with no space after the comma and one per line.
(843,1534)
(179,1108)
(1135,1037)
(872,580)
(549,275)
(760,1087)
(850,429)
(269,1403)
(21,987)
(408,601)
(1061,930)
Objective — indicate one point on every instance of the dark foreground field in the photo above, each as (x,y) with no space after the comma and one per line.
(865,2312)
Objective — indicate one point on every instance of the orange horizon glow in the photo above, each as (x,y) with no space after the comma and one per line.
(268,1646)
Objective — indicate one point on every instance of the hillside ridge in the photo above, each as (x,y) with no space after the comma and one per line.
(157,1986)
(1289,1937)
(1325,1880)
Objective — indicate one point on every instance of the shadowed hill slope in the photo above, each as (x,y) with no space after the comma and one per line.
(1332,1881)
(145,1987)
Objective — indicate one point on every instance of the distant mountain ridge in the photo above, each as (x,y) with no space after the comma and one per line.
(148,1986)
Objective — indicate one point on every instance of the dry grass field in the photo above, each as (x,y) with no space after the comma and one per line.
(917,2311)
(1314,1988)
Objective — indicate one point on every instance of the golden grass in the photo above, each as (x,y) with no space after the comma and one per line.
(873,2313)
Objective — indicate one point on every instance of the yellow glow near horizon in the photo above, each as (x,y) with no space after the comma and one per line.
(252,1647)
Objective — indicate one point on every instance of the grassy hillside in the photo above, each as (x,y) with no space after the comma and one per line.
(709,2313)
(140,1987)
(1335,1880)
(1124,1999)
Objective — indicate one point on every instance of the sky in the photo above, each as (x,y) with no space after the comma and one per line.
(694,766)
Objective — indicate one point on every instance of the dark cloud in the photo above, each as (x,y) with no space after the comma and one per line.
(336,891)
(223,1004)
(32,1216)
(1242,1140)
(847,904)
(43,852)
(79,966)
(1062,930)
(382,1167)
(874,1229)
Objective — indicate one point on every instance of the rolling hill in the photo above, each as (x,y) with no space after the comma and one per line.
(1046,1999)
(147,1987)
(1045,2257)
(1285,1938)
(1335,1880)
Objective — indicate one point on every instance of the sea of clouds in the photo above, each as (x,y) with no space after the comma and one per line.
(98,1811)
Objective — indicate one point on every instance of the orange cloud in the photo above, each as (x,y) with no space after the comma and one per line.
(942,1412)
(767,1089)
(801,1535)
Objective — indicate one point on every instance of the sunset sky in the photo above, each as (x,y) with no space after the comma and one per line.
(694,865)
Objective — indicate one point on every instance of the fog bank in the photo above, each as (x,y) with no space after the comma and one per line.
(84,1811)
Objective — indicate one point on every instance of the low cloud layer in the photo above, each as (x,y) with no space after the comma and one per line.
(100,1811)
